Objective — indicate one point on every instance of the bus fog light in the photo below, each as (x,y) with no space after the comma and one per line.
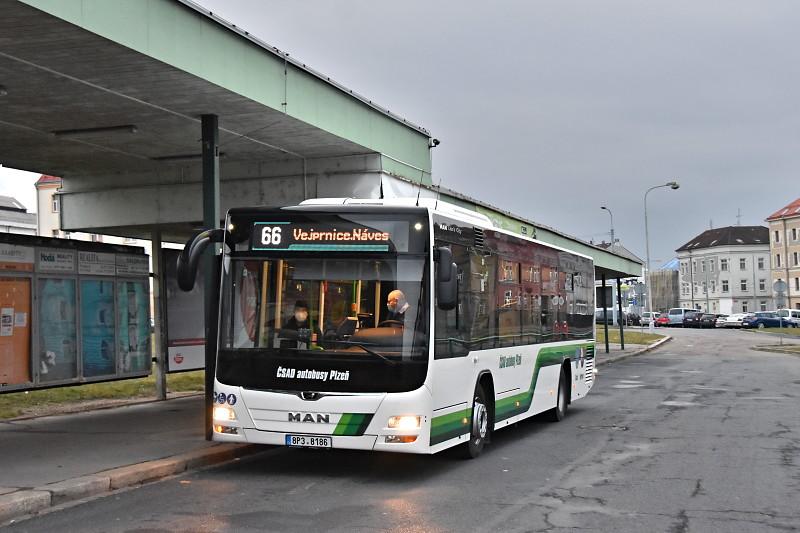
(224,413)
(226,430)
(404,422)
(396,439)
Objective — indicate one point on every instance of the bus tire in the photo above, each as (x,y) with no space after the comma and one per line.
(557,413)
(479,428)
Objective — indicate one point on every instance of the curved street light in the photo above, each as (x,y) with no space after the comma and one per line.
(672,185)
(612,225)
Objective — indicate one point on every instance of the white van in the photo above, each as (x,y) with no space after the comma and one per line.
(676,315)
(647,316)
(792,314)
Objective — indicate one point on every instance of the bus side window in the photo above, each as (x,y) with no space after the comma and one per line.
(451,328)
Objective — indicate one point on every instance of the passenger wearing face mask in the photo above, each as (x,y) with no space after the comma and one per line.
(397,305)
(300,323)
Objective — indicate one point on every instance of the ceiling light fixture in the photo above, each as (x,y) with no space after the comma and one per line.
(89,132)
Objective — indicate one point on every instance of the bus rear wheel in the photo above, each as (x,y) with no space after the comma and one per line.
(479,428)
(557,413)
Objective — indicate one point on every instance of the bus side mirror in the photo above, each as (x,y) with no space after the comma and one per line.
(446,280)
(189,258)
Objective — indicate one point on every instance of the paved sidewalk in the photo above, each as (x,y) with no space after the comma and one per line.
(615,351)
(51,460)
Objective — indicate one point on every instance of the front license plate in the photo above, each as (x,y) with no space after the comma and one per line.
(309,441)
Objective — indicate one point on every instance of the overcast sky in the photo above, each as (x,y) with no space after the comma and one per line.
(552,109)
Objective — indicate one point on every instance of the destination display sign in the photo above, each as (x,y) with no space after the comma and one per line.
(338,236)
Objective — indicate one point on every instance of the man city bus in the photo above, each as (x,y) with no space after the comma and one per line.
(421,326)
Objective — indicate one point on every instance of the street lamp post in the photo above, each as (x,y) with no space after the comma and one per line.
(612,225)
(672,185)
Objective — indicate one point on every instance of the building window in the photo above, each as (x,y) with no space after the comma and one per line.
(97,238)
(703,266)
(694,267)
(713,286)
(55,205)
(797,284)
(763,305)
(724,285)
(723,265)
(742,264)
(762,284)
(743,285)
(744,307)
(794,258)
(761,263)
(777,236)
(777,260)
(794,234)
(711,265)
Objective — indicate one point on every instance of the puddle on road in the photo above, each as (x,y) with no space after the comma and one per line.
(691,371)
(678,403)
(628,386)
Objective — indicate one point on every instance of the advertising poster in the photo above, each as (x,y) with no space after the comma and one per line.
(58,357)
(55,260)
(133,326)
(133,265)
(185,320)
(97,328)
(15,332)
(96,264)
(17,258)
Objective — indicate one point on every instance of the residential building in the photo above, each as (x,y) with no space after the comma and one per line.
(665,285)
(14,217)
(726,270)
(784,247)
(48,211)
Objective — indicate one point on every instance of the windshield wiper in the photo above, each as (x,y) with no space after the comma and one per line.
(368,350)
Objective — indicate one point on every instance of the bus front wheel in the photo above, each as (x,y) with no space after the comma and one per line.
(557,413)
(479,428)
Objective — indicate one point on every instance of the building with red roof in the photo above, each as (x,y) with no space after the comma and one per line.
(784,243)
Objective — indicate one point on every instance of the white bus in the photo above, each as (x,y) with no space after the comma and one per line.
(489,327)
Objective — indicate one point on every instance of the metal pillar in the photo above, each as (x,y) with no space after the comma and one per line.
(605,309)
(159,315)
(210,142)
(619,314)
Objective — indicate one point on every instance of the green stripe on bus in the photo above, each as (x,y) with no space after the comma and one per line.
(352,424)
(445,427)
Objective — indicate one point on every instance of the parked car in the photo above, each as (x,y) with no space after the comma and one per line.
(708,320)
(676,315)
(632,319)
(662,321)
(735,320)
(792,314)
(721,321)
(767,319)
(647,316)
(691,319)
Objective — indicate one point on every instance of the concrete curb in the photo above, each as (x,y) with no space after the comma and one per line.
(774,349)
(23,502)
(647,348)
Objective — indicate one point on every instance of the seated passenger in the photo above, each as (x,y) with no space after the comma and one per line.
(300,323)
(397,305)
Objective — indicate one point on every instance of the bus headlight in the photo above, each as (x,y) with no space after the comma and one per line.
(224,413)
(405,422)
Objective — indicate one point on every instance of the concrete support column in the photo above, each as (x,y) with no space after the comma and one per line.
(210,142)
(605,309)
(619,314)
(159,315)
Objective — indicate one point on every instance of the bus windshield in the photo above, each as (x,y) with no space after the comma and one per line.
(316,323)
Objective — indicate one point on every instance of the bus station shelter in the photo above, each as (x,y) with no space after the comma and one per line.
(159,116)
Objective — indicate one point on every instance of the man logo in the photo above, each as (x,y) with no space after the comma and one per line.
(310,417)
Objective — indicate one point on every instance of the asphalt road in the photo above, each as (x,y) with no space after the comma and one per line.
(700,435)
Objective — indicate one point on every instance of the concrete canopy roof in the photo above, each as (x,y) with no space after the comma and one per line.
(157,65)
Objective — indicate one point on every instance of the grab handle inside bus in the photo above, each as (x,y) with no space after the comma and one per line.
(189,258)
(446,280)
